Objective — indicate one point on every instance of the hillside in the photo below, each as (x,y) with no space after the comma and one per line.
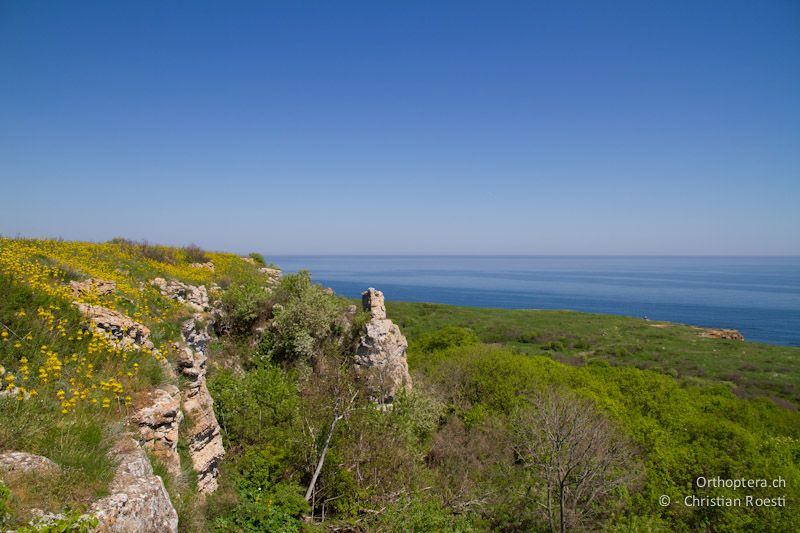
(152,388)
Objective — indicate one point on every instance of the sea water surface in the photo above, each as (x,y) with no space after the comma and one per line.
(760,296)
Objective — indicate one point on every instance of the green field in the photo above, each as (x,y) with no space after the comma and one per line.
(751,369)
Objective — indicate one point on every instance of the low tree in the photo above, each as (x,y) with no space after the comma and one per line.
(576,456)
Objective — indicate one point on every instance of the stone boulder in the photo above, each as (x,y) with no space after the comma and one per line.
(208,265)
(380,358)
(23,463)
(137,500)
(92,287)
(195,297)
(158,422)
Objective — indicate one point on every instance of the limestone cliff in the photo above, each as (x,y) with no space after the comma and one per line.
(202,431)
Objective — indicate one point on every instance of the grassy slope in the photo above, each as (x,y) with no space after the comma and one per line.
(36,312)
(753,369)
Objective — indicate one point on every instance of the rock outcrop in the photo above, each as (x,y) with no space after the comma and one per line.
(121,329)
(273,275)
(158,422)
(208,265)
(22,462)
(138,500)
(730,334)
(203,434)
(195,297)
(92,287)
(381,354)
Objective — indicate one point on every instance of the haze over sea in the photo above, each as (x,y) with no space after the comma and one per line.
(760,296)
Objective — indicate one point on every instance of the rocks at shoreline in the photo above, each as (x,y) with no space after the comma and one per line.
(729,334)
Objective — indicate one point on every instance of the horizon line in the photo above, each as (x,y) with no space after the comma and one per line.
(788,256)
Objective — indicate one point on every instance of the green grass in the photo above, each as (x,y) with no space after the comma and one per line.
(751,369)
(79,444)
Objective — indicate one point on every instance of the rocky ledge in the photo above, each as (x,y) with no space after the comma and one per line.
(203,433)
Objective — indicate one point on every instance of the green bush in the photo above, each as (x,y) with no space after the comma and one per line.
(418,413)
(243,305)
(304,322)
(256,517)
(260,476)
(447,337)
(258,258)
(194,254)
(257,407)
(421,513)
(267,500)
(162,254)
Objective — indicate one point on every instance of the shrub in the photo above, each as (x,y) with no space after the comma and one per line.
(420,512)
(162,254)
(267,501)
(448,337)
(242,305)
(528,338)
(258,258)
(194,254)
(554,346)
(254,408)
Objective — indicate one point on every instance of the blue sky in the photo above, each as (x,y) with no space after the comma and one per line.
(405,127)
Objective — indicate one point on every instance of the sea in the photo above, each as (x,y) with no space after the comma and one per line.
(759,296)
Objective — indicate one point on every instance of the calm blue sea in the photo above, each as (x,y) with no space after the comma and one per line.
(760,296)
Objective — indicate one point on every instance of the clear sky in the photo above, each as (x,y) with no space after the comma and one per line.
(405,127)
